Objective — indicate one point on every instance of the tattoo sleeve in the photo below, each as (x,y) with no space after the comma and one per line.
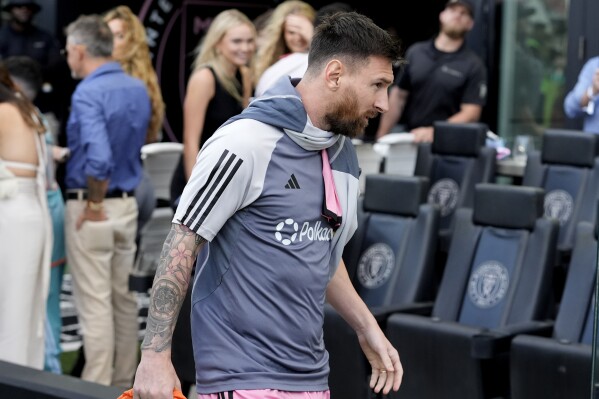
(170,286)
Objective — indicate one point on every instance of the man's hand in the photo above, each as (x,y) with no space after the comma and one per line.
(302,26)
(155,377)
(93,215)
(387,371)
(60,154)
(423,134)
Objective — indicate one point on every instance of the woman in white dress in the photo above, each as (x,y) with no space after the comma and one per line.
(25,229)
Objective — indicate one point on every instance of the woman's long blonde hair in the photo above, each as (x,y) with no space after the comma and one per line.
(136,61)
(273,45)
(207,53)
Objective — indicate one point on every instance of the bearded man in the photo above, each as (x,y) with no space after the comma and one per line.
(442,80)
(271,203)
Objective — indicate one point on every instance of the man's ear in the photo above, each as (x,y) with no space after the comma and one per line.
(79,50)
(333,72)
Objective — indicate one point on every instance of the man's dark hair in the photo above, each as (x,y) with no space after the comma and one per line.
(330,9)
(352,37)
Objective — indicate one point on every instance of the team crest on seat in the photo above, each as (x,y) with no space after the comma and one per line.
(375,266)
(444,193)
(558,205)
(488,284)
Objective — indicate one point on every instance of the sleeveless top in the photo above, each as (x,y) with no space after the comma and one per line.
(221,107)
(9,186)
(8,180)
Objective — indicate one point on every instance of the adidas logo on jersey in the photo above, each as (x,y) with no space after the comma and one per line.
(292,183)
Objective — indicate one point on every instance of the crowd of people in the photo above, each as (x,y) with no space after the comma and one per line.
(304,82)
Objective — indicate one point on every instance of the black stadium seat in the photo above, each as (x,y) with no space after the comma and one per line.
(559,365)
(564,169)
(567,168)
(496,283)
(455,162)
(392,255)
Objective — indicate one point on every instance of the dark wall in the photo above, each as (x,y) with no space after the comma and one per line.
(69,10)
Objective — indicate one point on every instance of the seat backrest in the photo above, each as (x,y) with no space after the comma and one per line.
(152,238)
(160,160)
(564,168)
(499,264)
(391,255)
(575,317)
(455,162)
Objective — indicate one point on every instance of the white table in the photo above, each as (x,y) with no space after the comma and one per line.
(511,167)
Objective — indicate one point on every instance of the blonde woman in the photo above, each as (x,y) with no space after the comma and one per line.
(132,52)
(219,87)
(25,228)
(288,30)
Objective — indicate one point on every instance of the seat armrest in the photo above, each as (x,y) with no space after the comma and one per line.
(489,343)
(381,313)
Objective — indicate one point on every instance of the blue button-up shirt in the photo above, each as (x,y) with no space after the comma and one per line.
(572,102)
(110,113)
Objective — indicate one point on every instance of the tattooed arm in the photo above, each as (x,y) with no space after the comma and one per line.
(156,377)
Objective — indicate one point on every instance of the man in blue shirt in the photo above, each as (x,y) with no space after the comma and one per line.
(583,99)
(110,112)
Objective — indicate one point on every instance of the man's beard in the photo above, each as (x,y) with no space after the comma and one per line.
(344,118)
(455,34)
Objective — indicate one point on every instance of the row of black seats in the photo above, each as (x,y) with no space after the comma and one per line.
(496,288)
(496,285)
(567,168)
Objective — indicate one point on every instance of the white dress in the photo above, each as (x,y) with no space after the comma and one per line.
(25,248)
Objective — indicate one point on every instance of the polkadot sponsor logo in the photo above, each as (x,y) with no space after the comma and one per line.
(286,231)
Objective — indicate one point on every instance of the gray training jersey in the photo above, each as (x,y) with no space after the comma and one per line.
(260,284)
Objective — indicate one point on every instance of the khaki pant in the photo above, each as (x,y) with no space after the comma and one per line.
(101,256)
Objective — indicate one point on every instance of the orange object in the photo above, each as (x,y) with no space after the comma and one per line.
(129,394)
